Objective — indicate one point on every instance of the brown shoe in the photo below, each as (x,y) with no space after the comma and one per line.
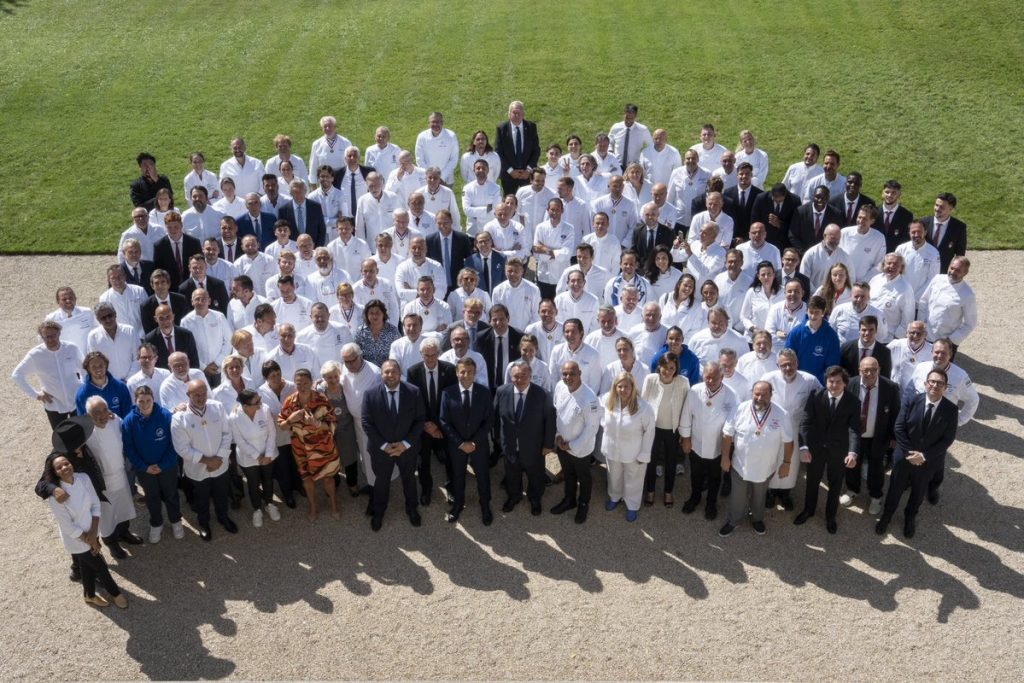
(669,501)
(649,499)
(120,601)
(97,601)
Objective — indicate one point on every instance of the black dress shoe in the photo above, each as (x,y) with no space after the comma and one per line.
(425,498)
(711,511)
(236,502)
(563,506)
(131,539)
(116,551)
(581,513)
(769,500)
(509,505)
(415,519)
(376,523)
(802,517)
(487,515)
(882,524)
(787,502)
(204,532)
(290,502)
(76,574)
(933,497)
(535,508)
(369,508)
(452,517)
(229,525)
(831,526)
(690,505)
(909,528)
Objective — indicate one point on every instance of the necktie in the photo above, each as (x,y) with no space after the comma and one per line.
(519,408)
(778,208)
(864,409)
(231,253)
(417,221)
(487,276)
(817,226)
(394,406)
(136,278)
(625,148)
(928,417)
(300,217)
(743,197)
(849,212)
(256,224)
(448,259)
(832,409)
(937,234)
(169,343)
(432,393)
(499,364)
(465,400)
(177,257)
(888,220)
(650,240)
(863,353)
(519,146)
(352,195)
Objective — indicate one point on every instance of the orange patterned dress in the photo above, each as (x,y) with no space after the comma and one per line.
(313,446)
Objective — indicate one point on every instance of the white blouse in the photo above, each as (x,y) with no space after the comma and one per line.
(627,438)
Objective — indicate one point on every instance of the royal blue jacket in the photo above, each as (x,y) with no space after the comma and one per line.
(147,439)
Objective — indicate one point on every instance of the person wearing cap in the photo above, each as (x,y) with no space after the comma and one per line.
(78,520)
(107,447)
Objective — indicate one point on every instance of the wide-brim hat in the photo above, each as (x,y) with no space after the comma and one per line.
(72,433)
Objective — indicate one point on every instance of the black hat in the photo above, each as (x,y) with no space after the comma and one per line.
(72,433)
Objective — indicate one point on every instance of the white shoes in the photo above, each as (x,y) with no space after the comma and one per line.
(846,500)
(876,506)
(257,519)
(275,514)
(179,531)
(155,533)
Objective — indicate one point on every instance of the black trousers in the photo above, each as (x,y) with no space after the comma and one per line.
(56,418)
(218,488)
(915,477)
(481,461)
(429,446)
(705,474)
(286,472)
(665,451)
(819,465)
(260,482)
(161,489)
(533,467)
(876,470)
(577,473)
(94,570)
(383,467)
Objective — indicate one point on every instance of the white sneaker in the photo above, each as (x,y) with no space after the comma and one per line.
(154,533)
(876,506)
(179,531)
(257,519)
(846,500)
(275,514)
(659,471)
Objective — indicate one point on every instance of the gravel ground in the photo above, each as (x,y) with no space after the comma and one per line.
(537,598)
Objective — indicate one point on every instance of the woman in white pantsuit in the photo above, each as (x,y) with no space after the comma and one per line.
(628,424)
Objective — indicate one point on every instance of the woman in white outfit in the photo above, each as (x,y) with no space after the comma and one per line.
(628,425)
(666,391)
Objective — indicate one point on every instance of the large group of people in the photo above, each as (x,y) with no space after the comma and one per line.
(629,309)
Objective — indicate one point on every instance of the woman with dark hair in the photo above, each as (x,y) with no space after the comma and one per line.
(310,417)
(163,204)
(837,287)
(78,519)
(99,382)
(666,390)
(480,148)
(764,291)
(254,433)
(274,390)
(681,308)
(376,334)
(661,273)
(571,160)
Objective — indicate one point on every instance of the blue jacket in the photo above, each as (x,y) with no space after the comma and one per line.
(815,351)
(689,364)
(115,393)
(147,440)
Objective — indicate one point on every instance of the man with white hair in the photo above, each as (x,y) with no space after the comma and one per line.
(358,377)
(329,149)
(126,299)
(909,352)
(893,296)
(146,234)
(115,341)
(324,281)
(383,154)
(373,212)
(174,388)
(401,235)
(438,146)
(117,510)
(292,356)
(439,196)
(405,179)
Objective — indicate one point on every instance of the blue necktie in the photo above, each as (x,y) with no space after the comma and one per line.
(448,260)
(300,217)
(394,406)
(519,408)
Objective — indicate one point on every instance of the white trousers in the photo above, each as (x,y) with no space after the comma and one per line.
(626,482)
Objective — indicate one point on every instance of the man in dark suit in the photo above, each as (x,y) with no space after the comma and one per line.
(488,263)
(893,218)
(138,273)
(431,377)
(879,399)
(215,287)
(499,345)
(172,252)
(925,429)
(467,415)
(169,337)
(830,418)
(256,221)
(458,246)
(518,147)
(700,202)
(351,179)
(791,271)
(651,233)
(526,429)
(472,311)
(811,219)
(160,282)
(776,210)
(851,353)
(302,212)
(742,196)
(393,417)
(849,203)
(944,232)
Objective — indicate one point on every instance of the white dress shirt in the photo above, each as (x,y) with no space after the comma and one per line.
(58,372)
(121,351)
(197,436)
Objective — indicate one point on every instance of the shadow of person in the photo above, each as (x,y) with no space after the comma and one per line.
(990,375)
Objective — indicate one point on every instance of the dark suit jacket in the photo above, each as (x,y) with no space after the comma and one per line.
(446,341)
(179,305)
(504,145)
(839,204)
(266,231)
(382,427)
(496,265)
(885,414)
(315,225)
(163,257)
(417,376)
(700,203)
(933,441)
(801,228)
(340,173)
(803,279)
(954,240)
(146,269)
(183,341)
(663,235)
(741,218)
(462,247)
(459,426)
(827,435)
(764,205)
(899,227)
(849,358)
(525,440)
(485,347)
(215,287)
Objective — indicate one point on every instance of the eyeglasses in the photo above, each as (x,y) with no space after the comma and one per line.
(935,383)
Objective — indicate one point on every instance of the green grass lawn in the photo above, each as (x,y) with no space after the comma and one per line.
(925,92)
